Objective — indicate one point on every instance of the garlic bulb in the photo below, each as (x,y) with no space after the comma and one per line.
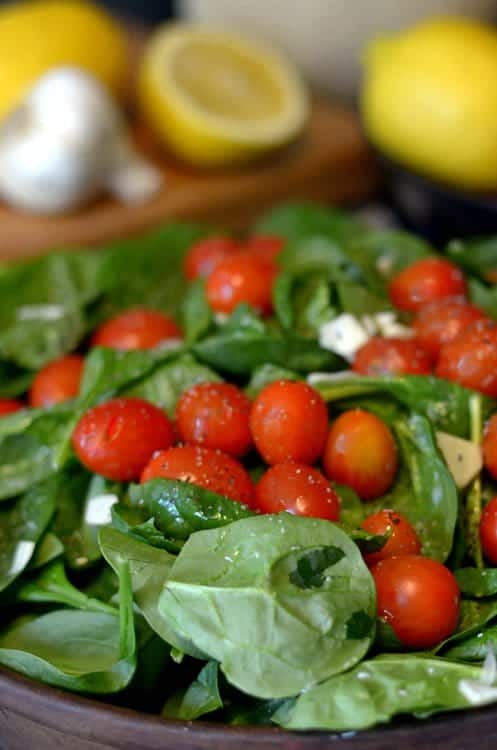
(66,143)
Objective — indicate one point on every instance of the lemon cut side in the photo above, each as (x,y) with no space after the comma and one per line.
(216,98)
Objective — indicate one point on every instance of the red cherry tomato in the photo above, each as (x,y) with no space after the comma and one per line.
(202,258)
(215,415)
(289,422)
(210,469)
(488,531)
(426,281)
(418,597)
(440,322)
(138,328)
(297,489)
(403,540)
(489,446)
(383,356)
(269,246)
(58,381)
(471,358)
(118,437)
(361,452)
(244,277)
(9,406)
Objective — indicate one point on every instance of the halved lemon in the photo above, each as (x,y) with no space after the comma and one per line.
(216,98)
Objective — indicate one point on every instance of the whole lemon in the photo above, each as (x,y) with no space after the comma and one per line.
(36,35)
(429,100)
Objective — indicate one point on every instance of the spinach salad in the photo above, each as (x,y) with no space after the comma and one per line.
(253,482)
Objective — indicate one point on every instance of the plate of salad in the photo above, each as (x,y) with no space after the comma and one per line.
(248,487)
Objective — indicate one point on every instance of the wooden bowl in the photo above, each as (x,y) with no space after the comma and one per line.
(36,717)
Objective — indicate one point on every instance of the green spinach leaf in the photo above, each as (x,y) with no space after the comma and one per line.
(200,698)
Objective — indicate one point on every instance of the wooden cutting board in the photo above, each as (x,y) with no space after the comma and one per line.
(331,163)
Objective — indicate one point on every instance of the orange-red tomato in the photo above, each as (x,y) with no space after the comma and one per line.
(403,540)
(244,277)
(268,246)
(418,597)
(9,406)
(471,358)
(361,452)
(204,256)
(488,531)
(210,469)
(289,422)
(440,322)
(117,438)
(385,356)
(298,489)
(137,328)
(489,445)
(426,281)
(58,381)
(215,415)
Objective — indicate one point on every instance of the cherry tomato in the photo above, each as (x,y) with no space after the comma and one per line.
(297,489)
(244,277)
(215,415)
(202,258)
(384,356)
(418,597)
(440,322)
(489,446)
(268,246)
(118,437)
(361,452)
(403,540)
(426,281)
(210,469)
(9,406)
(471,358)
(488,531)
(289,422)
(138,328)
(58,381)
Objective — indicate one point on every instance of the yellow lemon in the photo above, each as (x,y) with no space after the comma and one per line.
(216,98)
(429,100)
(40,34)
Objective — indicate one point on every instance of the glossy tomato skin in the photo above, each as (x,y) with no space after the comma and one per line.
(138,328)
(361,452)
(298,489)
(488,531)
(418,597)
(215,415)
(471,358)
(9,406)
(441,322)
(210,469)
(289,422)
(268,246)
(244,277)
(489,446)
(117,438)
(392,356)
(403,539)
(204,256)
(426,281)
(56,382)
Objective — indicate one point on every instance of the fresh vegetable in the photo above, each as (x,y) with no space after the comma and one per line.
(241,277)
(202,258)
(58,381)
(488,531)
(9,406)
(426,281)
(441,322)
(138,328)
(489,446)
(402,538)
(299,489)
(471,358)
(391,356)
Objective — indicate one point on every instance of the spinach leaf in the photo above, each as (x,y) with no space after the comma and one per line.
(483,296)
(391,250)
(302,300)
(196,314)
(378,689)
(200,698)
(14,381)
(476,582)
(266,374)
(22,523)
(82,651)
(475,647)
(295,220)
(230,591)
(48,549)
(477,256)
(180,508)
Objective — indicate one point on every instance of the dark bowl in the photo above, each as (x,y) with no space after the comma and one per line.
(439,212)
(36,717)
